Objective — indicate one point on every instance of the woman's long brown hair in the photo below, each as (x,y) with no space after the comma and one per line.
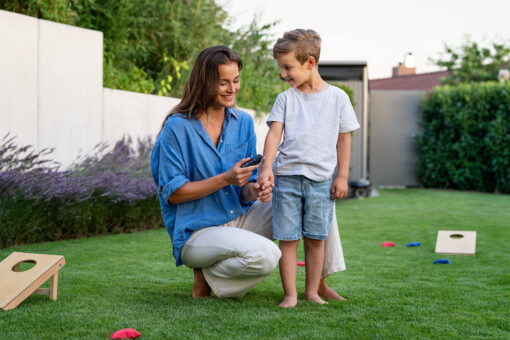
(202,85)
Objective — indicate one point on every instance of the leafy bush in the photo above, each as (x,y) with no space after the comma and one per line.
(111,191)
(465,142)
(260,77)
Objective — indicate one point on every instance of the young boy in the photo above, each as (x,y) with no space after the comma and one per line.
(317,119)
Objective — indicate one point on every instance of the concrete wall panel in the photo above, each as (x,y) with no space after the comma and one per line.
(124,114)
(394,118)
(158,108)
(70,89)
(18,77)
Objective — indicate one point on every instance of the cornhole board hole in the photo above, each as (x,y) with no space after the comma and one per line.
(16,286)
(456,242)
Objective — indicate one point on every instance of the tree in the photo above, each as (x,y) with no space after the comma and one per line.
(260,76)
(472,62)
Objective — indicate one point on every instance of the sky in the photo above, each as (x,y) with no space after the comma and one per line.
(382,32)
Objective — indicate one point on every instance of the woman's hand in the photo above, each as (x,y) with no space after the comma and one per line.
(340,188)
(253,191)
(239,176)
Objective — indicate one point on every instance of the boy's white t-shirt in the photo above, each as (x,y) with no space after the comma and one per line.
(312,123)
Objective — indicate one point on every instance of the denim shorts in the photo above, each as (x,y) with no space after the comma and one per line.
(301,207)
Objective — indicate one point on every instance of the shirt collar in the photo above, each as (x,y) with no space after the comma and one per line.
(230,111)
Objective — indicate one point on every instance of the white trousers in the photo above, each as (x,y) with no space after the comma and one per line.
(237,255)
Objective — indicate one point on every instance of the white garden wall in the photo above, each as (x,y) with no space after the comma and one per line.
(133,114)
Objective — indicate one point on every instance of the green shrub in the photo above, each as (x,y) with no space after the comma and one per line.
(28,221)
(107,192)
(465,142)
(260,76)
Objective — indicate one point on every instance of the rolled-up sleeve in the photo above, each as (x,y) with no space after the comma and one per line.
(173,172)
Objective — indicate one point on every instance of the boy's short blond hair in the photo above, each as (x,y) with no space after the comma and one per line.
(305,43)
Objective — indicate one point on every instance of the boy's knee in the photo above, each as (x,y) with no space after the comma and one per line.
(312,242)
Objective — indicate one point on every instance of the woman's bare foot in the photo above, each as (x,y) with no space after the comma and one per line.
(327,293)
(315,298)
(288,301)
(200,287)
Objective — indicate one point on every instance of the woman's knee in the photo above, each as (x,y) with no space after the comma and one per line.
(268,258)
(255,261)
(259,255)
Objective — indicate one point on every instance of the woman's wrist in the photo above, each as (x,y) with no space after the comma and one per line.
(249,192)
(224,179)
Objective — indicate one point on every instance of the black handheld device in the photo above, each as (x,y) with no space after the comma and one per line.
(254,161)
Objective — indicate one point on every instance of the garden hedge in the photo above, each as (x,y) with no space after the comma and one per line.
(26,221)
(108,192)
(465,141)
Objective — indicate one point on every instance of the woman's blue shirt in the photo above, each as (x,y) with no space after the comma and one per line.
(183,153)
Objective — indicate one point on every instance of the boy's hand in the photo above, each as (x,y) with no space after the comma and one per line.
(340,188)
(266,184)
(265,175)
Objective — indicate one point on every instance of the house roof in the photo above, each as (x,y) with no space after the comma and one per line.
(422,81)
(343,63)
(342,70)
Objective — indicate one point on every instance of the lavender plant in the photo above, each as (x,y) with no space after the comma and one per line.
(123,174)
(109,191)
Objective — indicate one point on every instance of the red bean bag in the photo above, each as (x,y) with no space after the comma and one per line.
(388,244)
(126,333)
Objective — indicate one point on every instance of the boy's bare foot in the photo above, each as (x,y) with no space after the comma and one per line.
(288,301)
(327,293)
(316,299)
(200,287)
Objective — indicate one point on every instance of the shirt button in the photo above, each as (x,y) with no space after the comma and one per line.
(231,211)
(221,140)
(226,193)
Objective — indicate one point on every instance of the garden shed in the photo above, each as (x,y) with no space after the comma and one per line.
(353,74)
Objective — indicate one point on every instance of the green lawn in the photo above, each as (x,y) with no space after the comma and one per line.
(130,281)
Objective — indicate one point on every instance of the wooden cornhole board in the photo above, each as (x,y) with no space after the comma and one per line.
(16,286)
(456,242)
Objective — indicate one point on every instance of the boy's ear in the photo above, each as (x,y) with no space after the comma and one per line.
(311,62)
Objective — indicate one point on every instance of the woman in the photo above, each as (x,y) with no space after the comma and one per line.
(217,216)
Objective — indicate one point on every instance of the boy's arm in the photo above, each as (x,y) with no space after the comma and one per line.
(340,187)
(273,138)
